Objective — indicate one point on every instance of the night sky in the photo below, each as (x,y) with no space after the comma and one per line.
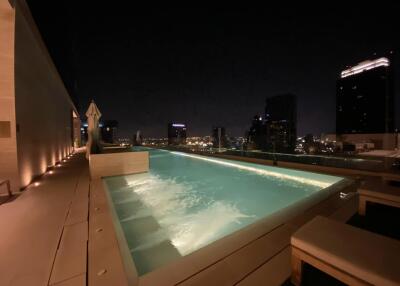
(147,67)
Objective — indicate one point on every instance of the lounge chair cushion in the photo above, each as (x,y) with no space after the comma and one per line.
(365,255)
(378,189)
(391,177)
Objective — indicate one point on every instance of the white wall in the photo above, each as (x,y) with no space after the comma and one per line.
(43,106)
(117,164)
(8,147)
(32,97)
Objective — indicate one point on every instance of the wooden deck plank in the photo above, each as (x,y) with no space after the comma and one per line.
(71,256)
(32,224)
(79,280)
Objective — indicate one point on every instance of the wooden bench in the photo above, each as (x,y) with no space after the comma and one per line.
(388,177)
(7,184)
(351,255)
(377,191)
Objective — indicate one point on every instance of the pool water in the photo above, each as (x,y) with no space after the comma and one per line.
(186,202)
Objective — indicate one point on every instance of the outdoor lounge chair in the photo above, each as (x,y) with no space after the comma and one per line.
(351,255)
(377,191)
(391,177)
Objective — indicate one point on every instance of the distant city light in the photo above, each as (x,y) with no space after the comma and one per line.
(178,125)
(364,66)
(86,125)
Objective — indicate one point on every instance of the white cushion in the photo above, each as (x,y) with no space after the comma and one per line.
(378,189)
(365,255)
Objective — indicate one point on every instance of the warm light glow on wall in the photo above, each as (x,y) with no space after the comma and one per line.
(26,175)
(45,123)
(43,164)
(53,155)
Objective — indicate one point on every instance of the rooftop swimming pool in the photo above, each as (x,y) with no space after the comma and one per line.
(186,202)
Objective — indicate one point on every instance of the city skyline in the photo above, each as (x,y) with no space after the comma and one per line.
(213,70)
(198,146)
(365,98)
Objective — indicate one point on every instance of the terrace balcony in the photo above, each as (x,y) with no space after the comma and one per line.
(60,225)
(61,232)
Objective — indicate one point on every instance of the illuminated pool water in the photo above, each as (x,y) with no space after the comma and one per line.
(188,201)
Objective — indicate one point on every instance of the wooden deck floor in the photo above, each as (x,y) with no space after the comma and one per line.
(44,237)
(44,231)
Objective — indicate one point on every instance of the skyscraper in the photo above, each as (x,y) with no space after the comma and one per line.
(364,98)
(138,138)
(176,133)
(281,123)
(219,137)
(257,136)
(109,131)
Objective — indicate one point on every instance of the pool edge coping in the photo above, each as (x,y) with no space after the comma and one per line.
(102,201)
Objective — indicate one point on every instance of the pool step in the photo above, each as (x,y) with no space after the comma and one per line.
(155,256)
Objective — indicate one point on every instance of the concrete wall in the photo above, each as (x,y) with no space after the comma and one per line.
(113,164)
(8,146)
(43,106)
(32,98)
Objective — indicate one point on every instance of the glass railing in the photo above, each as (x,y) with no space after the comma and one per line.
(356,162)
(347,162)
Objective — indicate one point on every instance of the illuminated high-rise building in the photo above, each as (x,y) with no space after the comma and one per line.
(138,138)
(365,99)
(176,134)
(281,123)
(257,136)
(219,138)
(108,131)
